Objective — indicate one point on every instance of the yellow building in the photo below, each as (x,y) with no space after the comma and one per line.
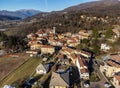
(35,46)
(44,48)
(110,68)
(60,36)
(47,49)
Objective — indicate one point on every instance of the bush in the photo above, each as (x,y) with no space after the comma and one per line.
(94,77)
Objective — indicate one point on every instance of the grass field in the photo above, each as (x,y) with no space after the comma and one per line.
(23,71)
(9,63)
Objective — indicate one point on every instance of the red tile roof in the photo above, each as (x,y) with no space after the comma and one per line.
(84,52)
(46,46)
(73,56)
(111,63)
(115,57)
(68,50)
(117,77)
(83,70)
(81,61)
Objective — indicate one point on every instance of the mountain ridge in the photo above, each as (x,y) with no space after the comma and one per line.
(23,13)
(93,4)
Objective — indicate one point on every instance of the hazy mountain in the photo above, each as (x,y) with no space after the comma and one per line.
(19,13)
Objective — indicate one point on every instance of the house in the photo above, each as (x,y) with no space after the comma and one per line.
(68,34)
(40,38)
(41,33)
(73,42)
(117,32)
(73,57)
(45,49)
(33,52)
(31,36)
(42,68)
(54,42)
(116,81)
(105,47)
(49,31)
(84,53)
(32,42)
(115,57)
(67,51)
(110,68)
(65,61)
(84,34)
(59,80)
(70,53)
(60,36)
(82,68)
(35,46)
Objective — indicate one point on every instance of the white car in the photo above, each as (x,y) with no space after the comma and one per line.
(86,85)
(107,84)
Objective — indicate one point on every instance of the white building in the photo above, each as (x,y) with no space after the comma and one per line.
(82,68)
(105,47)
(42,69)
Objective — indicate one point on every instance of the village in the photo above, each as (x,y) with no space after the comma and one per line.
(67,57)
(62,65)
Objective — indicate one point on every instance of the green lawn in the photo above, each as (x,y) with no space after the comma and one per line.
(22,72)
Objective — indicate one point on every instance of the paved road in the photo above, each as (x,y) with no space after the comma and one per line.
(99,84)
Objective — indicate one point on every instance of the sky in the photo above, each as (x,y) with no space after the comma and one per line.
(42,5)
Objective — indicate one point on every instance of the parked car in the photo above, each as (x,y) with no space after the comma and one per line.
(87,83)
(107,84)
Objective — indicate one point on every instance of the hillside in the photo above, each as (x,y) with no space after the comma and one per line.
(70,19)
(98,4)
(95,8)
(4,18)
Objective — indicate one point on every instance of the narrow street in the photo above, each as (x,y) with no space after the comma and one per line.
(99,84)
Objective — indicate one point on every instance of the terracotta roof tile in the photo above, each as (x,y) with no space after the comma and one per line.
(112,63)
(117,77)
(81,61)
(84,70)
(115,57)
